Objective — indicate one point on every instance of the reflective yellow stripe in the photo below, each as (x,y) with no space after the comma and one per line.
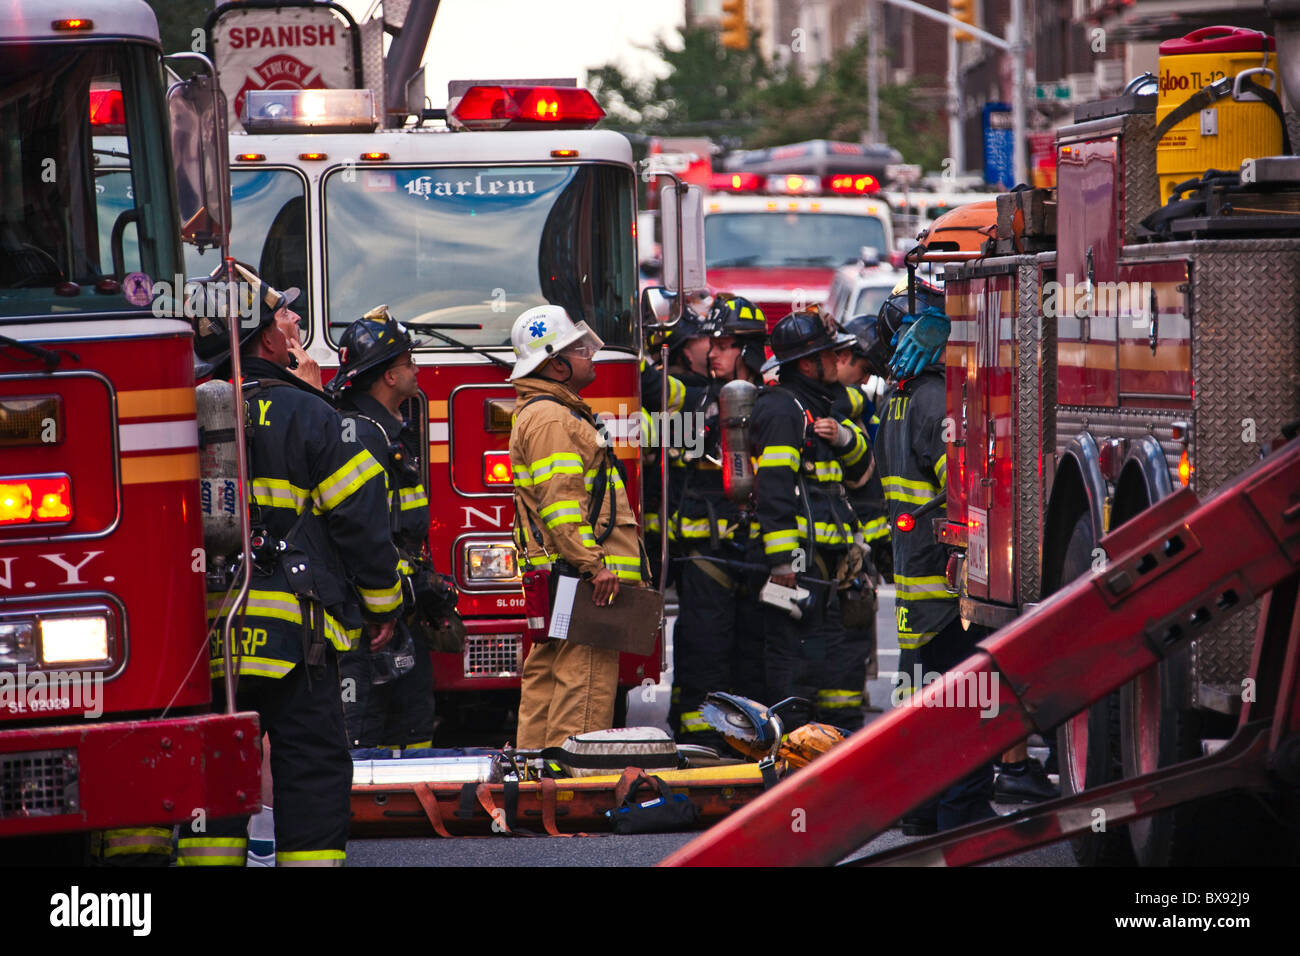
(544,469)
(412,498)
(311,858)
(676,394)
(613,479)
(837,699)
(941,470)
(382,600)
(875,528)
(251,667)
(588,538)
(419,745)
(777,456)
(335,489)
(910,640)
(651,521)
(561,512)
(694,528)
(923,587)
(134,841)
(828,471)
(211,851)
(854,453)
(692,721)
(278,493)
(856,402)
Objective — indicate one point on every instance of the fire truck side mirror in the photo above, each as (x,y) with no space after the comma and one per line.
(197,110)
(688,237)
(657,305)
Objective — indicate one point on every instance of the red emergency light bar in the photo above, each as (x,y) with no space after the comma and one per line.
(496,468)
(854,185)
(525,107)
(736,182)
(72,23)
(107,108)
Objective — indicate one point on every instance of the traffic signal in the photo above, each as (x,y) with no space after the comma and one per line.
(735,25)
(963,10)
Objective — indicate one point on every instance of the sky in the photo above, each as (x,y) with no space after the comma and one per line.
(506,39)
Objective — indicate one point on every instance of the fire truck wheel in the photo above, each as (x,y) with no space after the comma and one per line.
(1157,731)
(1088,744)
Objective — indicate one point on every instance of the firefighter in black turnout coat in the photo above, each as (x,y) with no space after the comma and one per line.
(808,528)
(324,578)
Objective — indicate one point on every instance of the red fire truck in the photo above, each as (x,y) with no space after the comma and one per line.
(779,222)
(1087,382)
(105,702)
(515,202)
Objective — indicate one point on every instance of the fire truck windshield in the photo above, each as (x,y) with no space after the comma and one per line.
(84,196)
(764,240)
(480,244)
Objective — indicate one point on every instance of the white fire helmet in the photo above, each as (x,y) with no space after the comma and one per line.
(541,332)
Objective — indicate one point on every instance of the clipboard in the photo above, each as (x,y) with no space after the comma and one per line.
(630,624)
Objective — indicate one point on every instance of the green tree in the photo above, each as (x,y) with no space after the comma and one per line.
(177,21)
(736,98)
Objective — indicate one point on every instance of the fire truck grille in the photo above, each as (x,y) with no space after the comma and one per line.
(493,655)
(38,783)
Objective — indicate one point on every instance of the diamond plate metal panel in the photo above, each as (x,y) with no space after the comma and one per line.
(372,63)
(1034,427)
(1141,194)
(1246,369)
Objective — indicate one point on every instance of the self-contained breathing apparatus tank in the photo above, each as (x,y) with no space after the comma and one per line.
(735,405)
(214,404)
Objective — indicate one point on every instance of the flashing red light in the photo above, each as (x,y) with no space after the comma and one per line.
(29,500)
(73,23)
(735,182)
(251,157)
(905,522)
(374,157)
(312,157)
(496,468)
(107,108)
(861,185)
(526,107)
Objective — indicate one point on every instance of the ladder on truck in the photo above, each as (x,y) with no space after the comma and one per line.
(1169,573)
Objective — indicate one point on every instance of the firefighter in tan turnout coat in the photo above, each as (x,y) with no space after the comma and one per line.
(574,517)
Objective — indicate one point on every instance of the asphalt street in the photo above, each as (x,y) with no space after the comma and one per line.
(651,709)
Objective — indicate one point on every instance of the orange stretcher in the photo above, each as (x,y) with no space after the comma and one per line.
(557,807)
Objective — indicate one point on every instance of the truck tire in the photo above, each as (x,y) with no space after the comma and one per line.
(1087,744)
(1156,731)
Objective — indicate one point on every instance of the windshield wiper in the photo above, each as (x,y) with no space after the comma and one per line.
(51,358)
(735,263)
(430,327)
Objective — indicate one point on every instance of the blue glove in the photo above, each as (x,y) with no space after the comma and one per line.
(920,343)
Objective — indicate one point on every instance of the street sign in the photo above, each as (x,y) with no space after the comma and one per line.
(1052,91)
(999,145)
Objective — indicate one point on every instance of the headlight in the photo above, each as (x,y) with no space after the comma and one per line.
(16,645)
(81,640)
(484,562)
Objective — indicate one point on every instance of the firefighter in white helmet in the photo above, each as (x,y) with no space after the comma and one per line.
(574,518)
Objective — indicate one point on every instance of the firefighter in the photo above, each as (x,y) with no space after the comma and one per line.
(573,516)
(806,523)
(857,363)
(324,570)
(911,449)
(708,528)
(392,703)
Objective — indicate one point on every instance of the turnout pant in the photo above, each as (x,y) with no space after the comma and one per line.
(565,689)
(397,714)
(967,800)
(311,774)
(815,658)
(705,640)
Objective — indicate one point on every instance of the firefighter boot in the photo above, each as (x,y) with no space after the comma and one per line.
(1024,781)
